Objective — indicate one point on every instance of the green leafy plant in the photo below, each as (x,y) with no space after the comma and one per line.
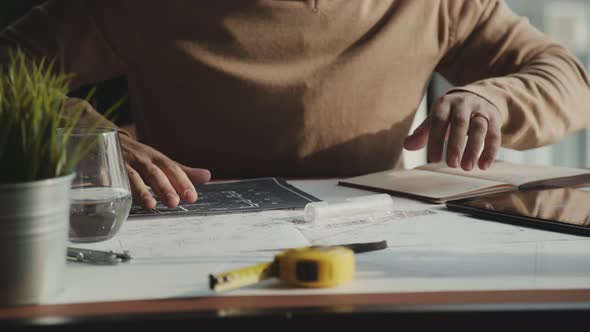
(35,125)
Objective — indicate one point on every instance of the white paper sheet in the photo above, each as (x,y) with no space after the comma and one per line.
(198,235)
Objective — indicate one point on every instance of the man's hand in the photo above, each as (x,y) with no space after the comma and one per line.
(169,180)
(470,123)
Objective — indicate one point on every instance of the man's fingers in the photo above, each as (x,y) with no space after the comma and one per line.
(139,190)
(161,185)
(472,126)
(477,133)
(491,147)
(197,175)
(169,180)
(419,137)
(179,180)
(439,122)
(459,127)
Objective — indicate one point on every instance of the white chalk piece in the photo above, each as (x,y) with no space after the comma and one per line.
(372,204)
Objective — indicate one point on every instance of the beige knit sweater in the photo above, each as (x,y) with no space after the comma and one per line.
(307,88)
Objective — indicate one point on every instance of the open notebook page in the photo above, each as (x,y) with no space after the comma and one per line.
(432,185)
(507,172)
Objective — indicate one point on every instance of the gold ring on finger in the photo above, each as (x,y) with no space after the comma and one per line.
(475,114)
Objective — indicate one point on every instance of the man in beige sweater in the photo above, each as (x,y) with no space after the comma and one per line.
(310,88)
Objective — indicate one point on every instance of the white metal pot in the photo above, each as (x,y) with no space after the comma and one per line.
(34,223)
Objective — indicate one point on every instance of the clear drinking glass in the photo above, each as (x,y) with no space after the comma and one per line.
(101,195)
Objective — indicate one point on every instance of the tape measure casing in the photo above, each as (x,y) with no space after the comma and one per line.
(328,266)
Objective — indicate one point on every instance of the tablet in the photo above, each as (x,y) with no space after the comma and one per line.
(564,210)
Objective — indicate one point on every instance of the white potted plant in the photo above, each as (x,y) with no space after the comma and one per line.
(35,179)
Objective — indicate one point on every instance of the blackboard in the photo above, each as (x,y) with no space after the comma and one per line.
(235,197)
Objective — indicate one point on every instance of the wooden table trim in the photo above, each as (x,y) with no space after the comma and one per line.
(222,304)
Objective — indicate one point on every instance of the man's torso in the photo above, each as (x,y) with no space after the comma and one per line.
(288,88)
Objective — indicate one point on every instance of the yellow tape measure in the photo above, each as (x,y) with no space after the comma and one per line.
(328,266)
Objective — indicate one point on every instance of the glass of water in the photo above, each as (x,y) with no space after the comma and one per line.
(101,195)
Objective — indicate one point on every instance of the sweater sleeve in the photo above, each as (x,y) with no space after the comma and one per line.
(540,88)
(64,30)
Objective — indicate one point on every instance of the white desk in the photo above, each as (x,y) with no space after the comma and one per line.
(435,252)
